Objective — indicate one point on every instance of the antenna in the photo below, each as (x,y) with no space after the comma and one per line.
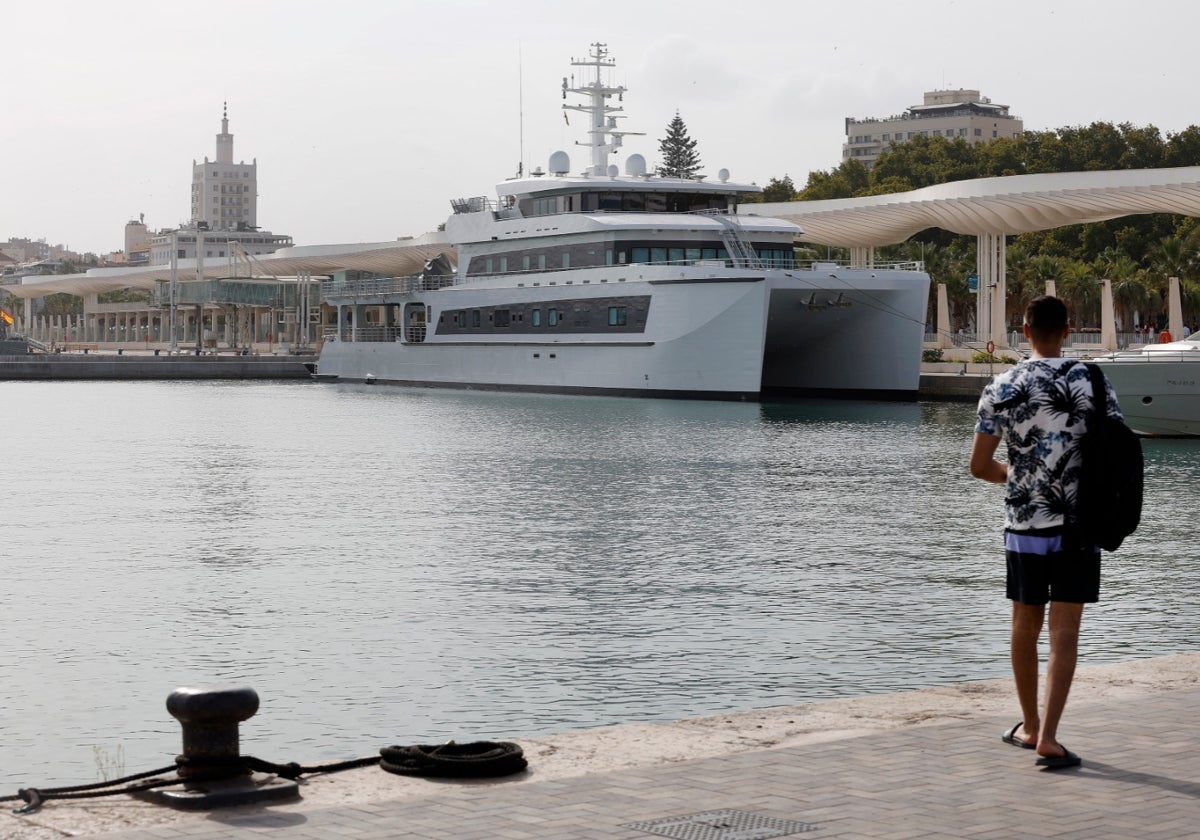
(520,111)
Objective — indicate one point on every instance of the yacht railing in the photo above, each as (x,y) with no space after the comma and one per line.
(385,286)
(373,333)
(475,204)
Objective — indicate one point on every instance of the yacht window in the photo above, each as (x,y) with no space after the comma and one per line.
(566,260)
(656,202)
(474,317)
(616,316)
(610,201)
(658,255)
(693,254)
(676,255)
(487,266)
(621,257)
(641,255)
(536,317)
(504,264)
(708,253)
(608,257)
(525,263)
(541,262)
(552,317)
(635,202)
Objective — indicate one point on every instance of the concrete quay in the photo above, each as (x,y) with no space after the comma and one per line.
(147,365)
(920,764)
(959,385)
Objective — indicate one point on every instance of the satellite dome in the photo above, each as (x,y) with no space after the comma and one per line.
(635,165)
(723,175)
(613,170)
(560,163)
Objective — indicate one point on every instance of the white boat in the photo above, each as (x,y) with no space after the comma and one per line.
(626,284)
(1158,386)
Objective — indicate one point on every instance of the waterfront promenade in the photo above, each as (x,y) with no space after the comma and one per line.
(920,764)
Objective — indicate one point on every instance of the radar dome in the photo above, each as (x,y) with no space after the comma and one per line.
(560,163)
(723,175)
(635,165)
(613,170)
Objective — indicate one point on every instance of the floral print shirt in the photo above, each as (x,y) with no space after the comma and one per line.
(1039,409)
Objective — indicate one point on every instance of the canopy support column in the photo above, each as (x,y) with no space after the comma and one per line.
(991,252)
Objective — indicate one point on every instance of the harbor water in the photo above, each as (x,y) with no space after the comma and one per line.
(395,566)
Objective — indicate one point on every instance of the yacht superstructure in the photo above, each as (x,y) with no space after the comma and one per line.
(627,283)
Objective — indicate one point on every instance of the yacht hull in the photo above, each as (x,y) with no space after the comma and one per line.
(732,335)
(1159,392)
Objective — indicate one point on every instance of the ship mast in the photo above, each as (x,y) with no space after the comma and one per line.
(603,137)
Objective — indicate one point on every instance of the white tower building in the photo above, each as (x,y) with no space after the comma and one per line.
(224,210)
(224,193)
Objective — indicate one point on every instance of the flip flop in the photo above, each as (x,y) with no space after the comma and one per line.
(1057,762)
(1010,737)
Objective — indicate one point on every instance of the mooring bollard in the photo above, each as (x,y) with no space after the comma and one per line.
(210,718)
(210,767)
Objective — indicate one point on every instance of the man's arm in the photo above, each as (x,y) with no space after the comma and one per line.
(983,461)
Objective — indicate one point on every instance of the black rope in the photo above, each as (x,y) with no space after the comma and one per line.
(206,770)
(481,758)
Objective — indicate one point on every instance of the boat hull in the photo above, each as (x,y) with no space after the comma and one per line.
(735,335)
(1159,396)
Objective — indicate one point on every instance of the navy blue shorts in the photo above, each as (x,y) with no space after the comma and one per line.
(1047,564)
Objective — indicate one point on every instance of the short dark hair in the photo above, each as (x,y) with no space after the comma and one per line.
(1046,317)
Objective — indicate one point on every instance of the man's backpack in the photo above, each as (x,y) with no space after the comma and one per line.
(1108,503)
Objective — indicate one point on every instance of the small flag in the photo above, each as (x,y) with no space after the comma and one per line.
(6,316)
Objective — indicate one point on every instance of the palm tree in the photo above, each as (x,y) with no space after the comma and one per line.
(1169,257)
(1131,292)
(1020,281)
(1080,288)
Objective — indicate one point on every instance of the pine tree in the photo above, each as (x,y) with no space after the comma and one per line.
(679,158)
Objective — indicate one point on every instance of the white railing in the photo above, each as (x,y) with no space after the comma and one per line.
(363,334)
(384,286)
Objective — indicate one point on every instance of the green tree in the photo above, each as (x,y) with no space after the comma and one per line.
(1079,287)
(779,190)
(850,179)
(1131,293)
(678,150)
(62,303)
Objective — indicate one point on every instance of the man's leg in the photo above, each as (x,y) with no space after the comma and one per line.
(1026,627)
(1065,618)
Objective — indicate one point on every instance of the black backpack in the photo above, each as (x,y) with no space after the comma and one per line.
(1108,503)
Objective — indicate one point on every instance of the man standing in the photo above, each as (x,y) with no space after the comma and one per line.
(1040,410)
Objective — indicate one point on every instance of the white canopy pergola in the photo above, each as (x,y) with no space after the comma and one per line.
(991,209)
(405,256)
(988,208)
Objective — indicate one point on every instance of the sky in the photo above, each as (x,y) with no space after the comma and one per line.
(366,117)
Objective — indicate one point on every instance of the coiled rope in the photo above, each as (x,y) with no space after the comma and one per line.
(481,758)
